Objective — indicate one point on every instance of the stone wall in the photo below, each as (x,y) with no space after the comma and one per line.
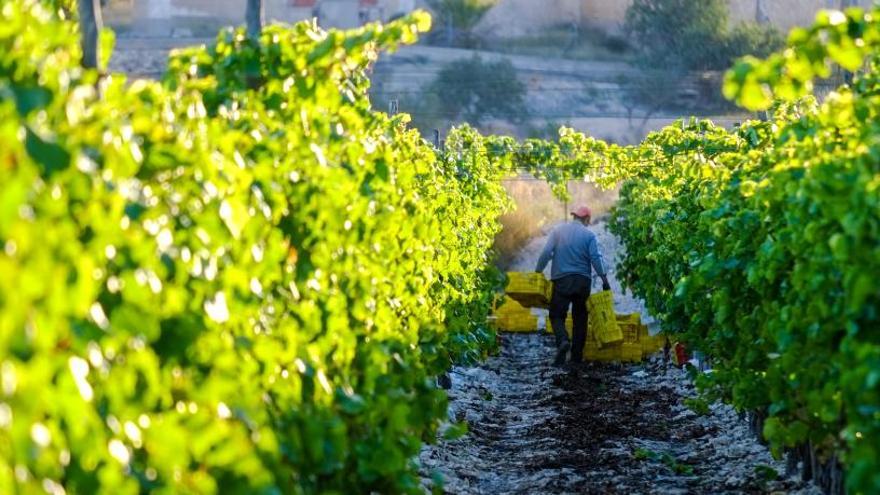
(198,17)
(519,17)
(509,18)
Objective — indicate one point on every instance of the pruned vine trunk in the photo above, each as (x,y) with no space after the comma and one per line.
(255,17)
(90,24)
(761,16)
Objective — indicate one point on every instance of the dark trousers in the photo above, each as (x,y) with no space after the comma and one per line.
(570,291)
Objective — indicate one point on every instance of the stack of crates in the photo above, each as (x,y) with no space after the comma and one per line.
(651,343)
(531,290)
(636,345)
(603,322)
(511,316)
(630,326)
(595,352)
(637,342)
(610,337)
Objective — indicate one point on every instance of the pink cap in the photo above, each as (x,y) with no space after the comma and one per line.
(582,212)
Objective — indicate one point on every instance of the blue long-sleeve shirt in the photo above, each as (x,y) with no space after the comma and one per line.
(573,249)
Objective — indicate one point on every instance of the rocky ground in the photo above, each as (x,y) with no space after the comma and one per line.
(602,428)
(605,428)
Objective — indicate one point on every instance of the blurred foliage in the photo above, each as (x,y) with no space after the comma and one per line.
(473,90)
(470,90)
(850,40)
(749,38)
(548,129)
(694,34)
(651,90)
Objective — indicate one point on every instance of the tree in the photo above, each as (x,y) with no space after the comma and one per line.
(677,32)
(255,17)
(468,90)
(90,23)
(650,92)
(694,34)
(459,17)
(473,90)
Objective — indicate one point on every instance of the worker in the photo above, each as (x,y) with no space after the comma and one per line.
(574,251)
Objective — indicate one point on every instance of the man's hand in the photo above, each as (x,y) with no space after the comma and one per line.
(605,284)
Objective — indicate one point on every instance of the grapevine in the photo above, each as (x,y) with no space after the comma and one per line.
(758,245)
(240,279)
(243,278)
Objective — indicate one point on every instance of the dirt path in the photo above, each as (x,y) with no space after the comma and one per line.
(606,428)
(510,406)
(603,428)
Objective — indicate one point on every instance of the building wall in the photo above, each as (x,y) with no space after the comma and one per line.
(509,18)
(155,17)
(605,11)
(518,17)
(784,14)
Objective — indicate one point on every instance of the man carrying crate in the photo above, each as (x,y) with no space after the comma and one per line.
(573,249)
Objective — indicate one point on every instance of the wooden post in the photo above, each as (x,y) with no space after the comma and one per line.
(255,17)
(565,211)
(90,24)
(761,16)
(450,31)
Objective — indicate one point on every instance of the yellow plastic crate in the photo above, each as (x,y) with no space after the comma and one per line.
(529,289)
(631,332)
(613,352)
(633,347)
(592,352)
(591,336)
(632,318)
(631,352)
(517,323)
(603,321)
(651,343)
(510,307)
(511,316)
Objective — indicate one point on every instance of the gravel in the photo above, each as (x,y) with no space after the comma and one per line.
(598,428)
